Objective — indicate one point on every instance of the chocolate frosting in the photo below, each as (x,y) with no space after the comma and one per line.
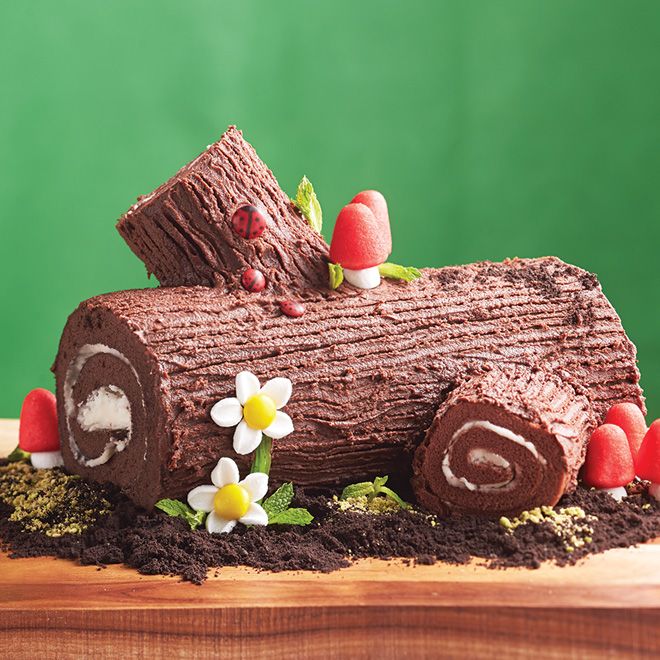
(505,441)
(182,231)
(369,368)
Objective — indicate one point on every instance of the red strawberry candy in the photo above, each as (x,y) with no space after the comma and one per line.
(376,202)
(630,418)
(609,463)
(648,458)
(37,431)
(358,240)
(249,221)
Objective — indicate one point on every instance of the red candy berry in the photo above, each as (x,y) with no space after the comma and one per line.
(648,458)
(253,280)
(609,463)
(358,240)
(376,202)
(249,221)
(630,418)
(38,431)
(292,308)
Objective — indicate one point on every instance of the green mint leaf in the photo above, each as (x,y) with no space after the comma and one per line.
(396,272)
(308,204)
(388,492)
(291,517)
(358,490)
(336,275)
(18,455)
(179,509)
(279,501)
(378,483)
(196,519)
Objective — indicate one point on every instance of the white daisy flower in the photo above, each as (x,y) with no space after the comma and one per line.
(228,500)
(255,411)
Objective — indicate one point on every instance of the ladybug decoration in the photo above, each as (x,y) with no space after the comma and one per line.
(253,280)
(249,221)
(292,308)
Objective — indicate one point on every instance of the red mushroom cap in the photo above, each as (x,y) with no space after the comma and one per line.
(630,418)
(609,463)
(648,458)
(376,202)
(37,430)
(358,241)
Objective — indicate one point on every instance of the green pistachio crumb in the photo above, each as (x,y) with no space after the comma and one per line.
(363,504)
(506,523)
(50,501)
(568,524)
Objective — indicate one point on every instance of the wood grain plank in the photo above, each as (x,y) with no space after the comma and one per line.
(609,605)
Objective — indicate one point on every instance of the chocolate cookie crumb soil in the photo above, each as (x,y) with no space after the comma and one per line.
(154,543)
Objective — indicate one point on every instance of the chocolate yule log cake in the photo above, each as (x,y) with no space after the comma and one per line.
(369,370)
(502,442)
(372,369)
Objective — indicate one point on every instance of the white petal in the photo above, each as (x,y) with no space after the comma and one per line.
(281,426)
(255,516)
(279,390)
(201,498)
(227,412)
(217,525)
(225,472)
(246,440)
(247,385)
(256,485)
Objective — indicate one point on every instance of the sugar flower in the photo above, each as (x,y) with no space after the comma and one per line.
(228,500)
(255,411)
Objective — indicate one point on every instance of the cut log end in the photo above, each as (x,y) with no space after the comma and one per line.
(506,441)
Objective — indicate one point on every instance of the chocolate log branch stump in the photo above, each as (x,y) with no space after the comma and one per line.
(370,368)
(191,230)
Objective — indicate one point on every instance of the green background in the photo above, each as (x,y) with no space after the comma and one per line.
(494,129)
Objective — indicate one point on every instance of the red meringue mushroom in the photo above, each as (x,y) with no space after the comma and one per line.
(630,418)
(648,459)
(376,202)
(38,432)
(609,463)
(359,245)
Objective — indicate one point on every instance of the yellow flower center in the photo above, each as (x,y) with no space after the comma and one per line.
(259,412)
(231,502)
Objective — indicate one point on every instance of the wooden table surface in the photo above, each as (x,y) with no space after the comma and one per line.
(607,606)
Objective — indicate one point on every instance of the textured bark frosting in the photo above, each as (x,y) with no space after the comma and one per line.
(369,368)
(505,441)
(183,230)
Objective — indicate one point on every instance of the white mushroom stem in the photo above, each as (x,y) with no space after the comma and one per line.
(654,491)
(366,278)
(46,459)
(617,493)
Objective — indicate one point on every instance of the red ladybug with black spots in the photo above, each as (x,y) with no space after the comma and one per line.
(250,221)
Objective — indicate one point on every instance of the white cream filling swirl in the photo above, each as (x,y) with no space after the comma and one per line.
(480,456)
(107,408)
